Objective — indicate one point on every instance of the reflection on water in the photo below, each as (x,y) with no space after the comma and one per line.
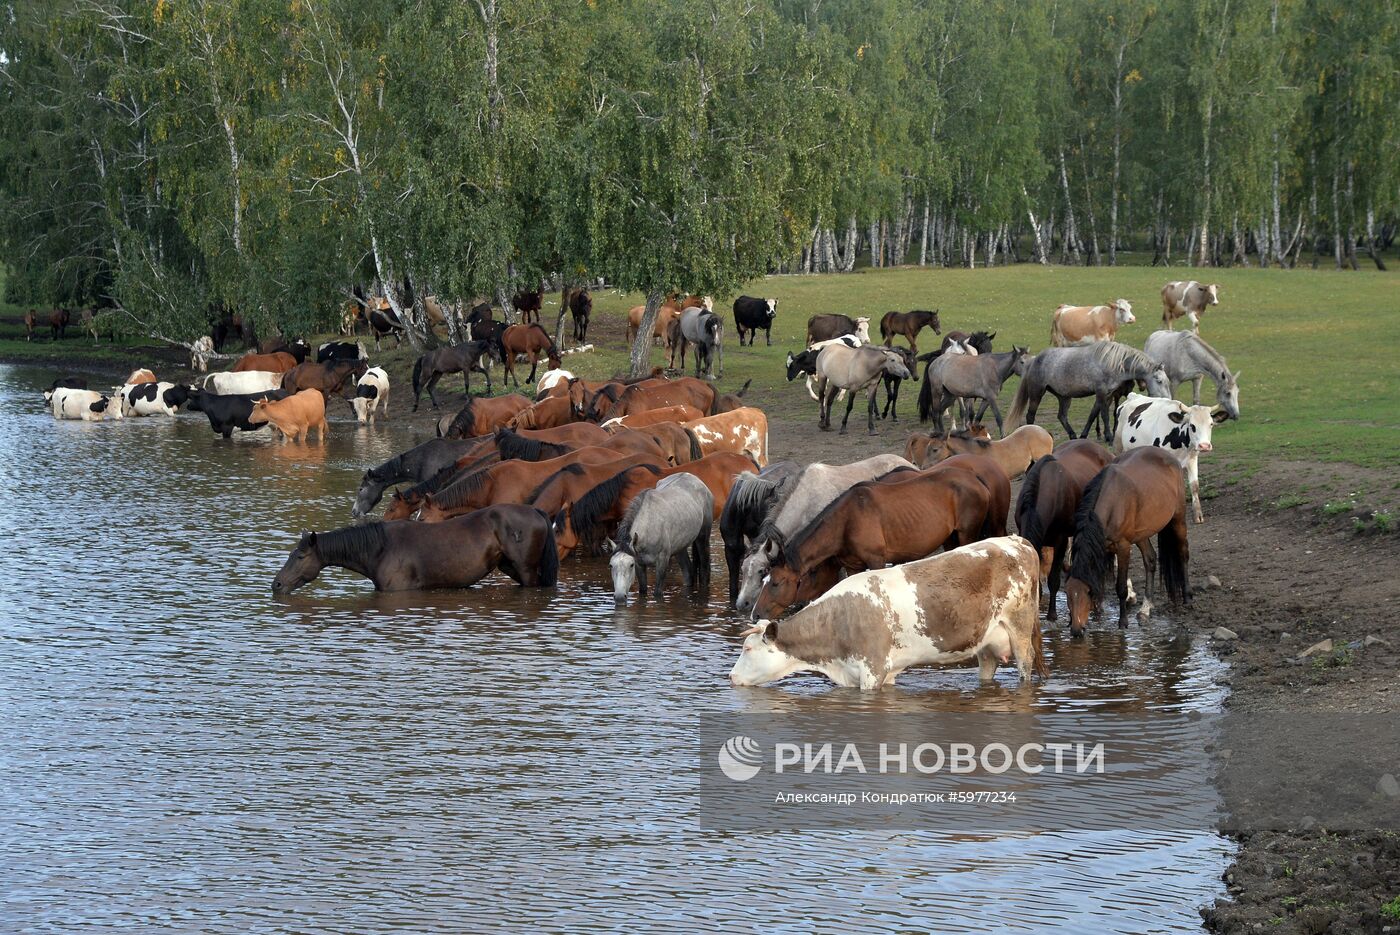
(181,748)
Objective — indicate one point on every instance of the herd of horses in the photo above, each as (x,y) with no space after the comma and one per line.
(641,470)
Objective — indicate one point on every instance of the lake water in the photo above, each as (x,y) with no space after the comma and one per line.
(179,749)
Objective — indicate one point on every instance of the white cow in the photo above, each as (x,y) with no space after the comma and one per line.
(1182,430)
(247,381)
(88,405)
(979,601)
(371,391)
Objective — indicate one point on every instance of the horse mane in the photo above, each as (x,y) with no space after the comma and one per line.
(1028,522)
(1216,358)
(750,490)
(463,420)
(624,528)
(967,436)
(566,469)
(438,481)
(1120,356)
(594,503)
(1091,560)
(456,493)
(363,541)
(516,447)
(791,546)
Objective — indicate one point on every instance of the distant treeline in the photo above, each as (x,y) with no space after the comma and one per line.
(174,161)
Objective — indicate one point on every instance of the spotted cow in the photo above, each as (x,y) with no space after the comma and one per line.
(743,431)
(1182,430)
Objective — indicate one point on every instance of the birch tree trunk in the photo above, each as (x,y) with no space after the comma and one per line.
(1039,255)
(1205,183)
(923,236)
(639,361)
(852,237)
(1117,157)
(874,244)
(1071,229)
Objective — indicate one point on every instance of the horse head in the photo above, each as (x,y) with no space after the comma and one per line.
(303,565)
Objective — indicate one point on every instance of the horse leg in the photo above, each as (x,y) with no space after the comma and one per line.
(872,406)
(850,404)
(663,565)
(1124,555)
(1056,561)
(432,382)
(687,569)
(1196,389)
(996,411)
(1096,413)
(1149,562)
(828,393)
(1064,415)
(534,363)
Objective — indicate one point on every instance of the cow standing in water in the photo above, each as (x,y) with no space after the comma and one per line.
(1182,431)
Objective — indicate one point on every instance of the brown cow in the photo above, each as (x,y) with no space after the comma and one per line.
(743,431)
(276,362)
(1085,324)
(294,416)
(140,375)
(1189,298)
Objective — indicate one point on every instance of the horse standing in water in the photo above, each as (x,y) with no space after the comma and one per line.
(672,520)
(516,540)
(750,500)
(1139,493)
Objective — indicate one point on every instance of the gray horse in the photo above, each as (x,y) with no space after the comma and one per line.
(1186,357)
(959,376)
(854,369)
(704,329)
(801,499)
(1099,370)
(671,520)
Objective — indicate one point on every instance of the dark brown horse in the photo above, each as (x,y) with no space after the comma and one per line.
(482,415)
(1049,498)
(908,324)
(595,515)
(330,377)
(459,358)
(528,304)
(874,524)
(516,540)
(580,306)
(1139,493)
(685,391)
(275,362)
(532,341)
(59,319)
(513,482)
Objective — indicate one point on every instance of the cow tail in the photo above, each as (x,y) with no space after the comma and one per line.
(696,452)
(1038,663)
(1170,547)
(417,377)
(549,555)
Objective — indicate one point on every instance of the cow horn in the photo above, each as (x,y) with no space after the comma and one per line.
(756,628)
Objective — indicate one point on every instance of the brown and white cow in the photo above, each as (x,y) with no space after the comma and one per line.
(1085,324)
(979,601)
(742,431)
(1187,298)
(1181,430)
(294,416)
(141,375)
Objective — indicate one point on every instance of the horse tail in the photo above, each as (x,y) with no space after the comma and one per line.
(549,554)
(1170,549)
(696,452)
(1091,558)
(1019,404)
(745,388)
(1028,522)
(417,377)
(925,398)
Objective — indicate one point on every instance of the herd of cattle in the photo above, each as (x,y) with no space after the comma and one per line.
(857,571)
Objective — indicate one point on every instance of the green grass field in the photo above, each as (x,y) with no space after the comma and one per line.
(1318,351)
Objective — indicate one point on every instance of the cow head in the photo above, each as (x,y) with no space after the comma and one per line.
(772,308)
(1213,294)
(1123,312)
(1193,427)
(303,565)
(760,660)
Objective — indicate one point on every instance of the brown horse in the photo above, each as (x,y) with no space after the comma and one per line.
(1139,493)
(593,404)
(908,324)
(669,312)
(548,413)
(872,525)
(330,377)
(276,362)
(595,515)
(998,485)
(677,414)
(677,442)
(512,482)
(532,341)
(528,304)
(1049,498)
(919,443)
(482,415)
(685,391)
(516,540)
(1015,453)
(31,319)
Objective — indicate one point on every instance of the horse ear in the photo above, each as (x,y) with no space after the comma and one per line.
(1236,376)
(308,538)
(610,545)
(771,550)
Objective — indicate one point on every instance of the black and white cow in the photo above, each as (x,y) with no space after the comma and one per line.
(751,314)
(230,411)
(1182,430)
(152,399)
(371,392)
(65,383)
(340,350)
(87,405)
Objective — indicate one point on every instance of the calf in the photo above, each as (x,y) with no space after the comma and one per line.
(371,391)
(751,314)
(742,431)
(87,405)
(980,601)
(249,381)
(1085,324)
(1181,430)
(294,416)
(1189,298)
(149,399)
(229,411)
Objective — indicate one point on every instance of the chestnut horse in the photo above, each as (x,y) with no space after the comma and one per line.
(1049,498)
(330,377)
(685,391)
(1015,453)
(516,540)
(275,362)
(919,443)
(677,414)
(547,413)
(595,515)
(532,341)
(679,444)
(512,482)
(1139,493)
(876,523)
(482,415)
(908,324)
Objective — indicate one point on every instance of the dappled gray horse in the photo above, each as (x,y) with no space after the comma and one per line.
(959,376)
(1099,370)
(672,519)
(1186,357)
(801,499)
(854,369)
(704,329)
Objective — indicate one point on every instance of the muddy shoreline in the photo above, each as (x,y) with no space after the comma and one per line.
(1290,578)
